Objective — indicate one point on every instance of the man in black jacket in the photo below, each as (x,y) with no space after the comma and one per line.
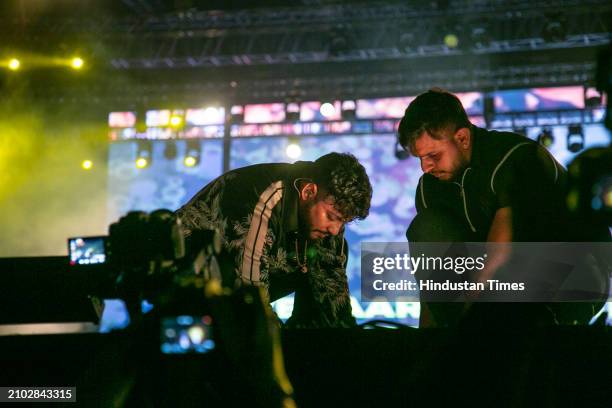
(283,227)
(480,186)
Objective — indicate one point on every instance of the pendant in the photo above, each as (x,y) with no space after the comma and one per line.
(304,268)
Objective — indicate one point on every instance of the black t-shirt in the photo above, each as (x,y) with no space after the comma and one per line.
(506,170)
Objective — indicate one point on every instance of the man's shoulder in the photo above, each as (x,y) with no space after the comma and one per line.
(500,141)
(260,171)
(495,147)
(254,178)
(243,186)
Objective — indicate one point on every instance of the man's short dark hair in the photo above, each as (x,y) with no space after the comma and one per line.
(341,176)
(431,112)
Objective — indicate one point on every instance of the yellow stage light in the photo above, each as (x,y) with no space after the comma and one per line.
(175,121)
(77,63)
(87,164)
(14,64)
(190,161)
(451,40)
(141,163)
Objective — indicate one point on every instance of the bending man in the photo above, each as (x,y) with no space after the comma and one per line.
(282,226)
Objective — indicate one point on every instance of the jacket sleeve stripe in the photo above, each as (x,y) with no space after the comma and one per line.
(256,237)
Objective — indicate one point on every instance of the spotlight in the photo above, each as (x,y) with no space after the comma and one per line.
(480,37)
(327,110)
(520,130)
(555,29)
(338,41)
(451,40)
(177,119)
(190,161)
(141,163)
(14,64)
(400,152)
(293,150)
(77,63)
(348,110)
(87,164)
(575,138)
(144,154)
(192,157)
(546,138)
(292,113)
(406,41)
(237,114)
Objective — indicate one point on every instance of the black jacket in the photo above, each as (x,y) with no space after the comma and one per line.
(255,209)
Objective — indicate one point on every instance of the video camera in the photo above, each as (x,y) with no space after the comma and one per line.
(144,258)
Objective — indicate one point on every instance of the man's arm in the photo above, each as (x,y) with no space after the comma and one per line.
(245,221)
(497,253)
(525,187)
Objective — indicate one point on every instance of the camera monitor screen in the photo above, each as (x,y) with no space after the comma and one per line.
(87,250)
(186,334)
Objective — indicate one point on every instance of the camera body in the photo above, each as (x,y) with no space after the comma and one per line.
(144,258)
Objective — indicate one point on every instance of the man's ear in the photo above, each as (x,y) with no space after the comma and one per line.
(308,191)
(463,138)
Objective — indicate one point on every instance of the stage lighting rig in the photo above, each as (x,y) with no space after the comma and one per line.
(292,112)
(77,63)
(451,40)
(400,153)
(177,119)
(14,64)
(348,110)
(144,155)
(575,138)
(194,151)
(87,164)
(237,114)
(170,151)
(546,138)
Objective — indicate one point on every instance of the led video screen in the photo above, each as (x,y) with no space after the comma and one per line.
(168,183)
(165,183)
(539,99)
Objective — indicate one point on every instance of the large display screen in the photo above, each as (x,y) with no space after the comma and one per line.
(165,183)
(168,183)
(539,99)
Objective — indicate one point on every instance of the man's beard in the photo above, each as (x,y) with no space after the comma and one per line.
(305,228)
(456,175)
